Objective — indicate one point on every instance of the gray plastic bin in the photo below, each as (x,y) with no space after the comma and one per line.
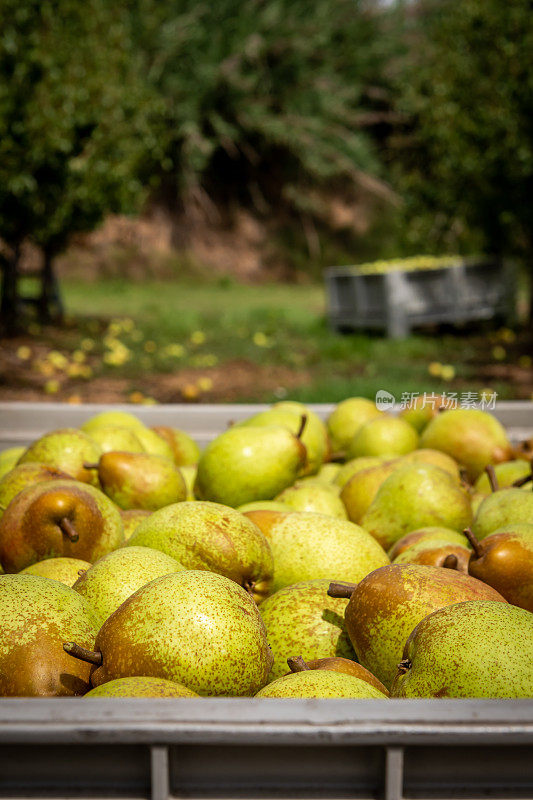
(245,748)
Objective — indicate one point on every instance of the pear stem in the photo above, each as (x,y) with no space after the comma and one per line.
(341,589)
(303,423)
(522,481)
(90,466)
(451,561)
(249,586)
(493,480)
(404,666)
(69,530)
(476,545)
(297,664)
(91,656)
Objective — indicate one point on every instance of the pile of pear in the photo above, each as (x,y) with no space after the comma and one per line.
(365,556)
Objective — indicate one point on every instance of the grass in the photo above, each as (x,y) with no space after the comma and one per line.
(130,329)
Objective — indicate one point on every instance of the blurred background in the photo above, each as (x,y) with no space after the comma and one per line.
(176,176)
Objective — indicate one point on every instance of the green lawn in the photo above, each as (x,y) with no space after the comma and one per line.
(131,328)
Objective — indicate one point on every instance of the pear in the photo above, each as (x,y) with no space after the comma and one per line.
(106,418)
(113,437)
(140,480)
(355,465)
(436,457)
(184,449)
(415,496)
(36,616)
(506,474)
(141,686)
(307,546)
(263,505)
(321,683)
(385,435)
(313,496)
(154,444)
(116,576)
(9,458)
(422,410)
(436,553)
(245,464)
(472,437)
(359,491)
(302,619)
(427,534)
(502,508)
(210,536)
(68,450)
(191,627)
(131,520)
(23,476)
(64,570)
(504,560)
(188,473)
(386,605)
(58,518)
(328,472)
(475,649)
(347,418)
(338,664)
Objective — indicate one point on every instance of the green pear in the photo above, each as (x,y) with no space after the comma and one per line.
(386,605)
(116,576)
(113,437)
(436,553)
(302,619)
(141,686)
(269,505)
(383,436)
(9,459)
(427,534)
(185,450)
(338,664)
(360,490)
(472,437)
(122,419)
(347,418)
(68,450)
(210,536)
(502,508)
(64,570)
(247,463)
(306,546)
(23,476)
(58,518)
(191,627)
(470,649)
(435,457)
(140,480)
(415,496)
(36,616)
(131,520)
(154,444)
(422,410)
(313,496)
(328,472)
(506,474)
(355,465)
(321,683)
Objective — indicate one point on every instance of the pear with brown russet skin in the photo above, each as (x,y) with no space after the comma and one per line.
(338,664)
(429,533)
(436,553)
(504,560)
(36,616)
(185,450)
(66,449)
(140,480)
(23,476)
(58,518)
(386,605)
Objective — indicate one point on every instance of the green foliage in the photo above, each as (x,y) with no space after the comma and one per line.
(466,93)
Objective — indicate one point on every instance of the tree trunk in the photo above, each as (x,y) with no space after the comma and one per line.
(9,304)
(50,305)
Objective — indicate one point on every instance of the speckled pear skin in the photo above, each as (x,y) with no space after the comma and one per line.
(472,437)
(116,576)
(214,537)
(306,546)
(428,533)
(114,437)
(505,507)
(506,563)
(36,616)
(22,476)
(132,518)
(315,497)
(141,480)
(360,490)
(347,418)
(383,435)
(66,449)
(65,570)
(415,496)
(29,529)
(506,473)
(321,683)
(248,463)
(477,649)
(425,455)
(185,450)
(348,667)
(141,686)
(192,627)
(433,553)
(302,620)
(390,602)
